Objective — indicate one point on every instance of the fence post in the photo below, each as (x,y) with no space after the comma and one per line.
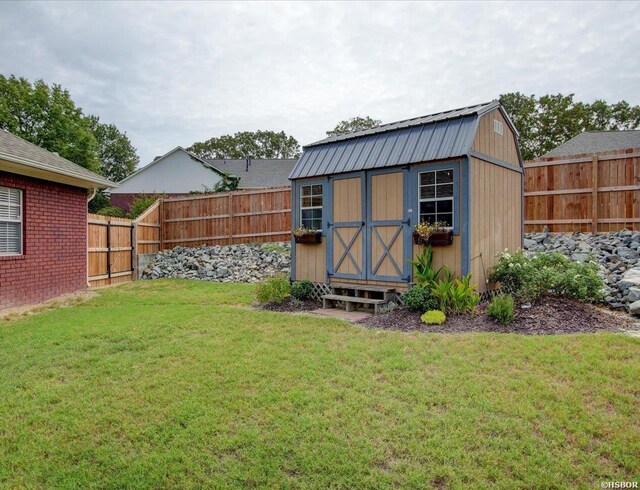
(594,194)
(161,223)
(230,213)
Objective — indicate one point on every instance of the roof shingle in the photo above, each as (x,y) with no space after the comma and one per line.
(596,142)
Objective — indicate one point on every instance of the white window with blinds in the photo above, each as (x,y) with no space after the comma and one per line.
(10,221)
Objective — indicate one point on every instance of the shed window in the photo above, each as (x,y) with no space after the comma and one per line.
(436,196)
(10,221)
(311,206)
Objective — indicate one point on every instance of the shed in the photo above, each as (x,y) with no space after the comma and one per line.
(43,222)
(367,190)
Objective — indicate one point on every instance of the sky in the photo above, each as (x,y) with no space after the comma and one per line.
(171,74)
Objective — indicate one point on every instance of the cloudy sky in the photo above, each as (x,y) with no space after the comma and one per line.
(173,73)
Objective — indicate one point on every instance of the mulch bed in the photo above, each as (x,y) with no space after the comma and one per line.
(292,306)
(547,316)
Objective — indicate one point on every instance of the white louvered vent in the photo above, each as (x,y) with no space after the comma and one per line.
(498,127)
(10,221)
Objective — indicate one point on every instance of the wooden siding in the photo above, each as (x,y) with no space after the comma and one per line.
(227,218)
(487,141)
(496,215)
(450,255)
(567,195)
(310,262)
(387,197)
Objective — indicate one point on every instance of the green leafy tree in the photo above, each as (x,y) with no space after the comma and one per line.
(357,123)
(47,116)
(118,158)
(248,144)
(550,120)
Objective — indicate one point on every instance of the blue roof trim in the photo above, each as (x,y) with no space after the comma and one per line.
(433,141)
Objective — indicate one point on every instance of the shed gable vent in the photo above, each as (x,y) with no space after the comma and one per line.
(498,127)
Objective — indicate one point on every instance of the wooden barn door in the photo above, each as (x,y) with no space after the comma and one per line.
(387,227)
(347,231)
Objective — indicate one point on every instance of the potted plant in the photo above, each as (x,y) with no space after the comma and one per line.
(307,235)
(434,234)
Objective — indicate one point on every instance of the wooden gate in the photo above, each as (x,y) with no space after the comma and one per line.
(347,230)
(387,227)
(111,254)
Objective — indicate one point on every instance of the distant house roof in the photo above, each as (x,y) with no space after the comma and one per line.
(596,142)
(433,137)
(157,160)
(257,173)
(20,156)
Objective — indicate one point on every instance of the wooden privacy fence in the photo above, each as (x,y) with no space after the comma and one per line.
(594,193)
(227,218)
(113,245)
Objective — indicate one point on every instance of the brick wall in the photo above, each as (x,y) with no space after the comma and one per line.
(54,259)
(124,201)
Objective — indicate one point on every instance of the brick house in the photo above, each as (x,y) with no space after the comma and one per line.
(43,222)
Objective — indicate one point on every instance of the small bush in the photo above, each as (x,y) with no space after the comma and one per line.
(140,204)
(114,211)
(433,317)
(456,295)
(302,290)
(547,273)
(419,298)
(273,290)
(502,308)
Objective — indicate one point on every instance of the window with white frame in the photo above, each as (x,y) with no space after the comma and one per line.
(436,196)
(10,221)
(311,206)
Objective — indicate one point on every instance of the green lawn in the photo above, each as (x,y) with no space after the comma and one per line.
(176,384)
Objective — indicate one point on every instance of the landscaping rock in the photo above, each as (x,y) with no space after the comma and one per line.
(617,254)
(235,263)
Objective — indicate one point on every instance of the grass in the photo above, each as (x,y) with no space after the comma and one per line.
(176,384)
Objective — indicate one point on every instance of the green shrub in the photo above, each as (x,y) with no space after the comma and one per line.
(114,211)
(502,308)
(273,290)
(424,271)
(547,273)
(302,290)
(433,317)
(419,298)
(456,295)
(140,204)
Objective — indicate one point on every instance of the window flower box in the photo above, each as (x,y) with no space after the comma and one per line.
(308,237)
(435,234)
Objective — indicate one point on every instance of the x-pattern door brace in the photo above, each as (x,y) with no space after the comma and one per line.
(387,250)
(347,249)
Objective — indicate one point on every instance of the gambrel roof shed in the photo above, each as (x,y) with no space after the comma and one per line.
(434,137)
(367,190)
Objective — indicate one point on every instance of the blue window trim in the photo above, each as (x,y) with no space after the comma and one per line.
(415,172)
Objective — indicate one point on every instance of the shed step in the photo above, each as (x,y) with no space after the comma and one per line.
(362,287)
(328,301)
(354,299)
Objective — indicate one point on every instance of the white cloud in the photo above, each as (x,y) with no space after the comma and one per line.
(174,73)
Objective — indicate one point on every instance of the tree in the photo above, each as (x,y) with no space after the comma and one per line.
(548,121)
(357,123)
(46,115)
(118,157)
(248,144)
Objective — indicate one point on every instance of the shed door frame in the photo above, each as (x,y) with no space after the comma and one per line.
(402,232)
(333,228)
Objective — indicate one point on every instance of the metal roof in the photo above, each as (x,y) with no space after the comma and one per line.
(257,173)
(19,151)
(434,137)
(596,142)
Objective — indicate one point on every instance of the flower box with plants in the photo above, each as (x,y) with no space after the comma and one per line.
(307,235)
(435,234)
